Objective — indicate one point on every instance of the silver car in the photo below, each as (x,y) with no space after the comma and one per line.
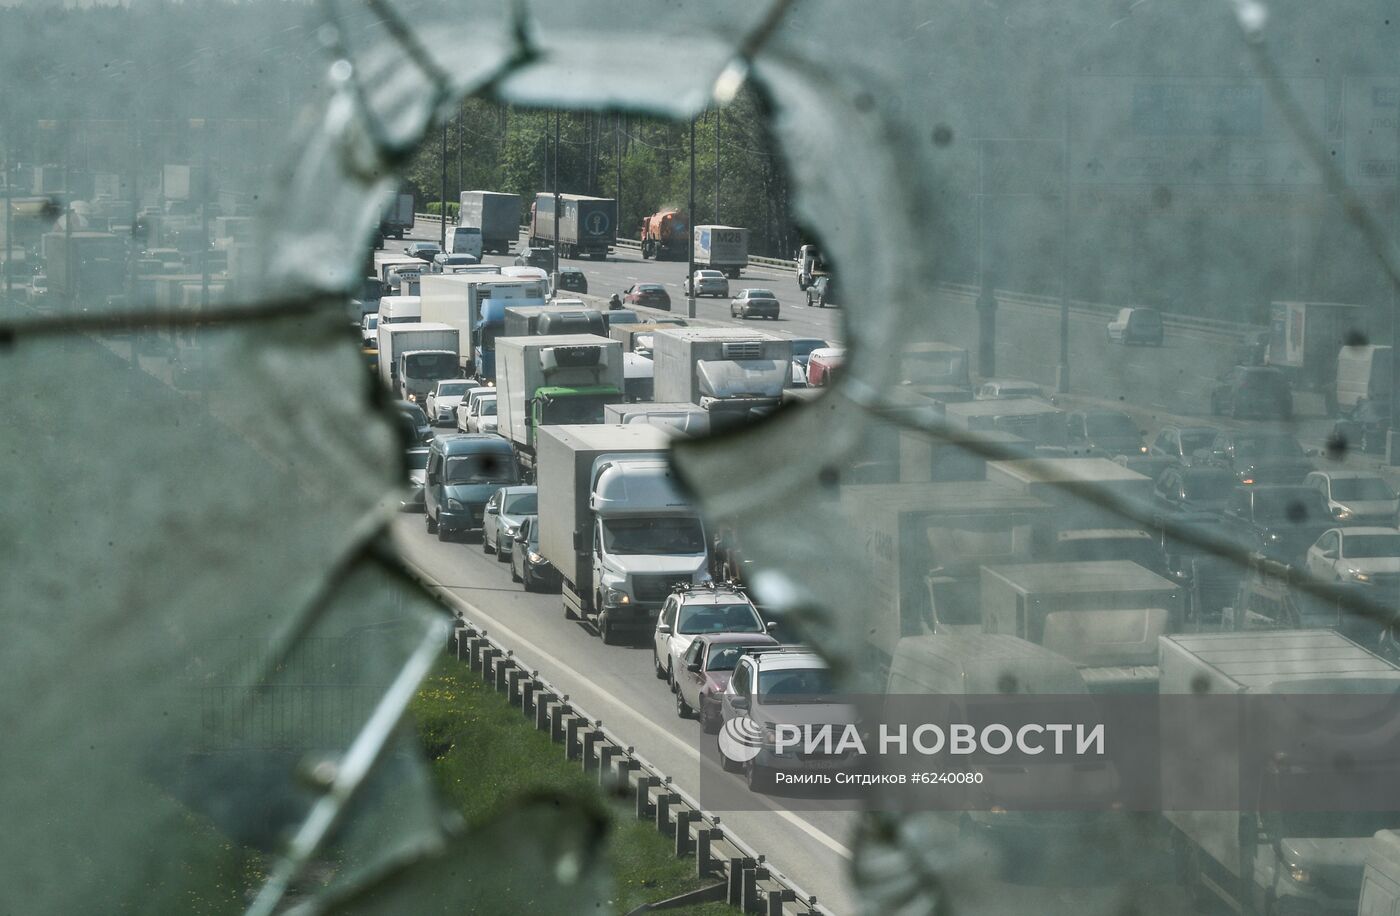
(709,283)
(505,510)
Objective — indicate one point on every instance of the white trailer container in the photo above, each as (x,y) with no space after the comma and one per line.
(1105,616)
(560,379)
(723,248)
(497,215)
(734,373)
(615,480)
(475,304)
(400,309)
(414,355)
(1272,861)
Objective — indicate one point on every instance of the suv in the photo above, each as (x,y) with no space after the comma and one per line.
(822,292)
(542,258)
(572,279)
(696,610)
(771,687)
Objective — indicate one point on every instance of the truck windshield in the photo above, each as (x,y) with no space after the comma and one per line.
(653,536)
(575,409)
(430,365)
(795,685)
(718,618)
(483,467)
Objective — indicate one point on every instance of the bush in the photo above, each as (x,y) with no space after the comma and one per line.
(435,208)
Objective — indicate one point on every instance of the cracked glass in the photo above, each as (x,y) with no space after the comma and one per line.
(1161,232)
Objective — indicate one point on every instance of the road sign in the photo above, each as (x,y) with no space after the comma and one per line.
(1188,131)
(1371,125)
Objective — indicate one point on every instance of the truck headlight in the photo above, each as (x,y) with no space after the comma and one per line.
(617,596)
(1299,874)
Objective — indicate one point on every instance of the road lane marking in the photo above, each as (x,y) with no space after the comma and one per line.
(685,747)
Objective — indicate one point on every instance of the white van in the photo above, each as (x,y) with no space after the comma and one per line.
(1363,373)
(465,240)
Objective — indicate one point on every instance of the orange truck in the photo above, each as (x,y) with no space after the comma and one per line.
(664,235)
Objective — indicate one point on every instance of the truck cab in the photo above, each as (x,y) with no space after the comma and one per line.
(419,371)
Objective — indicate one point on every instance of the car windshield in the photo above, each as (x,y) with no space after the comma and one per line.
(709,275)
(430,365)
(1267,445)
(718,618)
(1299,506)
(488,407)
(1110,424)
(371,322)
(724,657)
(1371,546)
(759,294)
(521,504)
(418,459)
(1362,488)
(653,536)
(1208,485)
(482,467)
(1191,441)
(452,389)
(795,685)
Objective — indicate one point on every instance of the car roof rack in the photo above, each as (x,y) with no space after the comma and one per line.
(788,648)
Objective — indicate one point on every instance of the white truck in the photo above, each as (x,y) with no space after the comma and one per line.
(494,214)
(555,380)
(1103,615)
(1256,860)
(400,309)
(722,248)
(734,373)
(476,304)
(415,355)
(615,523)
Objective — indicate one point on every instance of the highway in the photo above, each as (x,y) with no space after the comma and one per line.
(618,684)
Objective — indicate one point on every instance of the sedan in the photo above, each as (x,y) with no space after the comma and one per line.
(653,295)
(1356,497)
(444,263)
(708,283)
(423,251)
(441,403)
(505,510)
(750,302)
(1365,557)
(527,565)
(705,671)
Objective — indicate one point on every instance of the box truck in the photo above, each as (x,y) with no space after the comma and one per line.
(587,225)
(1254,856)
(722,248)
(734,373)
(1305,338)
(614,522)
(398,216)
(1104,615)
(414,355)
(922,546)
(475,304)
(495,214)
(545,381)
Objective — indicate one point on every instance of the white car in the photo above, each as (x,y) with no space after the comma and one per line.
(1356,497)
(464,407)
(369,329)
(696,611)
(996,389)
(708,283)
(481,415)
(441,403)
(1367,557)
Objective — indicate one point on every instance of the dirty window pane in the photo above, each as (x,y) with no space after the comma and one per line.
(1178,222)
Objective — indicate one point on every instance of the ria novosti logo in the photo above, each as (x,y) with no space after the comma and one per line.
(740,739)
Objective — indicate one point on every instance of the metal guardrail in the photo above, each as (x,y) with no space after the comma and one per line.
(743,876)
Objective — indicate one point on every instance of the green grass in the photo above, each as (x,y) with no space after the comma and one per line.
(486,754)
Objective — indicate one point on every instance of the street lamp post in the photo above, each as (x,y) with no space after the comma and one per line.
(986,300)
(690,234)
(555,276)
(442,242)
